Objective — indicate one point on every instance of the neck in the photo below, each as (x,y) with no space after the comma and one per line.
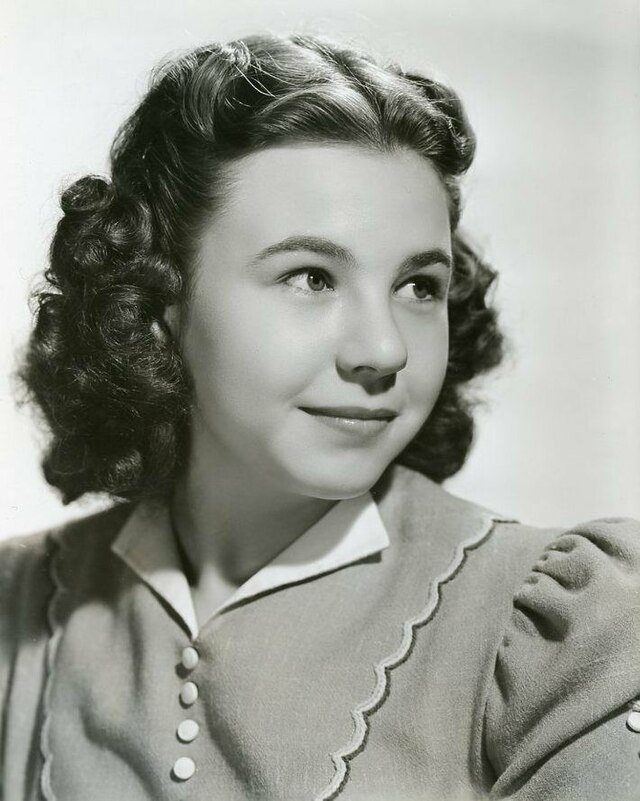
(230,524)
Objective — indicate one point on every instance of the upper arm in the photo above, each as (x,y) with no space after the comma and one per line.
(567,670)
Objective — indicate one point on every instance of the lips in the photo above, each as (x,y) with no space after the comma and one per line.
(351,412)
(359,424)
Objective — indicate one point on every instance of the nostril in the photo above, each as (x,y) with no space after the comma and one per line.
(374,381)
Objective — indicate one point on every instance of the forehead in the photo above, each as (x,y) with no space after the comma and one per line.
(333,190)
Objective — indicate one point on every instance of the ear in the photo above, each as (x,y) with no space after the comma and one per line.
(169,327)
(171,316)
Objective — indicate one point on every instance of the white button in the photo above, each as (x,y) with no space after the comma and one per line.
(189,693)
(190,657)
(184,768)
(633,721)
(188,731)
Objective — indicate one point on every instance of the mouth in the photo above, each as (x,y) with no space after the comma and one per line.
(354,420)
(351,412)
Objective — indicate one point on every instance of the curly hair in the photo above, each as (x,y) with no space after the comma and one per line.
(101,364)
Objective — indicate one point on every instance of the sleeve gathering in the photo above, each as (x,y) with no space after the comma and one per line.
(569,663)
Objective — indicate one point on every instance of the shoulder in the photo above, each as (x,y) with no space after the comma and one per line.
(27,578)
(30,567)
(426,518)
(88,540)
(20,553)
(569,661)
(24,574)
(411,503)
(30,552)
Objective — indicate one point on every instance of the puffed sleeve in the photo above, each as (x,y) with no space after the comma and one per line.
(560,720)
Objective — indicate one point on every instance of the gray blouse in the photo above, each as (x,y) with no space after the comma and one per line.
(473,657)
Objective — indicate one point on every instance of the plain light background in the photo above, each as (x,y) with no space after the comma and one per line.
(552,89)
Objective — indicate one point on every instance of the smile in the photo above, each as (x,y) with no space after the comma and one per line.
(352,419)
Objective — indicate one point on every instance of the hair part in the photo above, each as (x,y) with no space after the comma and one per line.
(101,363)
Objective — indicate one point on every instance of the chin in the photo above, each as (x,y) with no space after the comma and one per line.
(339,484)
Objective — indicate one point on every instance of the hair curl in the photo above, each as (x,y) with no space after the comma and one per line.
(109,380)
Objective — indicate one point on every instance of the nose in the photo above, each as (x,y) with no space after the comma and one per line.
(372,345)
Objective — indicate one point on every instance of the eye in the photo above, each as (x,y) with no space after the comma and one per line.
(421,288)
(308,279)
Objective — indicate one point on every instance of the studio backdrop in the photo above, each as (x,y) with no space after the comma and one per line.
(553,201)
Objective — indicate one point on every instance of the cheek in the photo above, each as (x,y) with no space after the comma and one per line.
(251,351)
(428,359)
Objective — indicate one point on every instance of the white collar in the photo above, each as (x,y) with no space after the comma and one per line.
(350,531)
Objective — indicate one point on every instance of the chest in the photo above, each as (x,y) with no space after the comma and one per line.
(358,688)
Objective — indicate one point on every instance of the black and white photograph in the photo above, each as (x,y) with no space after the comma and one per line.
(320,401)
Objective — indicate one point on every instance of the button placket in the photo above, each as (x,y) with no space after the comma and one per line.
(184,767)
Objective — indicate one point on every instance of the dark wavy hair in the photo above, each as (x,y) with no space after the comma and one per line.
(101,365)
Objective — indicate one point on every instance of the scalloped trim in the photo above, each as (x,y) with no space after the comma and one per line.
(363,712)
(50,657)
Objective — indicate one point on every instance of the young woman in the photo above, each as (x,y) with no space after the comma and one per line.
(257,335)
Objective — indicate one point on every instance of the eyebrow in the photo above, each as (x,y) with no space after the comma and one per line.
(329,249)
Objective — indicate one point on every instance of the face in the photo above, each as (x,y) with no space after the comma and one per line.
(317,333)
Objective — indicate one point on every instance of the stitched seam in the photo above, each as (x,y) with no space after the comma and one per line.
(55,627)
(363,712)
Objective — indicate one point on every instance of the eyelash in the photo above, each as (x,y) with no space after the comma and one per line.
(432,284)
